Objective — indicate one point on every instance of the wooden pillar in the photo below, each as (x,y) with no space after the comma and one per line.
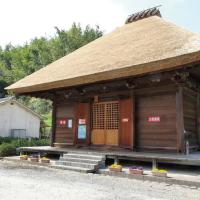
(134,125)
(21,151)
(61,154)
(154,164)
(198,118)
(53,126)
(180,119)
(116,160)
(40,154)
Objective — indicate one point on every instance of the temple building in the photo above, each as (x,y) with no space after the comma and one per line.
(135,88)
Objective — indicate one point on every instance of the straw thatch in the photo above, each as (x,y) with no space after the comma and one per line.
(145,46)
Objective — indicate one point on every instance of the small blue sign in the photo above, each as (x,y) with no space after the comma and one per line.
(81,131)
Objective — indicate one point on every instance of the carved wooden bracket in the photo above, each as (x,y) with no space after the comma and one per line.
(80,91)
(179,77)
(130,84)
(105,89)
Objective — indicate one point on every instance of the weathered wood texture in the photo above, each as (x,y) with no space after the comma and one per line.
(180,119)
(82,111)
(64,134)
(198,116)
(53,126)
(190,113)
(126,133)
(156,136)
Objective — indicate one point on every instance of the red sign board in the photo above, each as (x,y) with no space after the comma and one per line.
(154,119)
(63,122)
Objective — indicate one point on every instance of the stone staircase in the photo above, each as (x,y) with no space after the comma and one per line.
(85,163)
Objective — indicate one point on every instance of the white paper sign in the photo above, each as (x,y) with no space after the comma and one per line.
(69,123)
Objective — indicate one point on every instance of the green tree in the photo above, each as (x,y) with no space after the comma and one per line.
(16,62)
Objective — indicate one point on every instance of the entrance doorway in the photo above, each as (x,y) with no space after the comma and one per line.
(105,123)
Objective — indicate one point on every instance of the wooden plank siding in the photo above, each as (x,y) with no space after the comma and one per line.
(198,116)
(63,134)
(190,117)
(153,136)
(180,119)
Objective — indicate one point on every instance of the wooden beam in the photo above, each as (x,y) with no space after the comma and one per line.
(180,119)
(53,126)
(198,117)
(106,95)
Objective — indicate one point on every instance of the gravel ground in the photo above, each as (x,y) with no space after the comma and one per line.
(22,182)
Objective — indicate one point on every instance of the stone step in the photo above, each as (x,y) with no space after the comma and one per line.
(85,153)
(80,160)
(76,164)
(71,168)
(84,156)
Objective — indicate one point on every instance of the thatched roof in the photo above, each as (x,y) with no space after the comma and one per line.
(138,48)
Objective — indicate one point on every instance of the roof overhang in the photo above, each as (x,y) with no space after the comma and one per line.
(146,46)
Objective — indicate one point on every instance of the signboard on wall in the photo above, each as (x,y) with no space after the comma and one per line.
(125,119)
(81,131)
(154,119)
(63,122)
(82,121)
(69,123)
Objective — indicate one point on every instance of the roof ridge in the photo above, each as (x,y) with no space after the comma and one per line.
(144,14)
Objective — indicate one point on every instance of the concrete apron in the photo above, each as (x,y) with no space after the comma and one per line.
(17,159)
(176,179)
(180,178)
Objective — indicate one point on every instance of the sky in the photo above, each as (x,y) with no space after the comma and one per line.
(22,20)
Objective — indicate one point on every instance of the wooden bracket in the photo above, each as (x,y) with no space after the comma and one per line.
(80,90)
(130,84)
(179,77)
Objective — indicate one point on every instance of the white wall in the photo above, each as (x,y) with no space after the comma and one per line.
(16,117)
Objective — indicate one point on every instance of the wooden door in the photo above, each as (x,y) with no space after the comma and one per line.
(105,123)
(126,122)
(81,122)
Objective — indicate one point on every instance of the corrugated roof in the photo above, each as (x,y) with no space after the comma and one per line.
(4,100)
(145,46)
(12,99)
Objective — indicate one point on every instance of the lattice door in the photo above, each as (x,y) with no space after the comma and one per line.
(105,123)
(112,115)
(98,121)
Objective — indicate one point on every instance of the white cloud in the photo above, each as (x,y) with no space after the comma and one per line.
(24,19)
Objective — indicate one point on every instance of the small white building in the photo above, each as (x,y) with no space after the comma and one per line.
(17,120)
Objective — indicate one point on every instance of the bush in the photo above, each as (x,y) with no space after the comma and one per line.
(25,143)
(7,149)
(6,139)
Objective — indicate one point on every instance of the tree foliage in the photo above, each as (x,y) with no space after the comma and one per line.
(17,62)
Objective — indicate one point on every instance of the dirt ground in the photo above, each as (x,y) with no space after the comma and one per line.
(26,182)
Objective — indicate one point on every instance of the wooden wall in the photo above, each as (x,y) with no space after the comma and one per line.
(156,136)
(63,134)
(190,117)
